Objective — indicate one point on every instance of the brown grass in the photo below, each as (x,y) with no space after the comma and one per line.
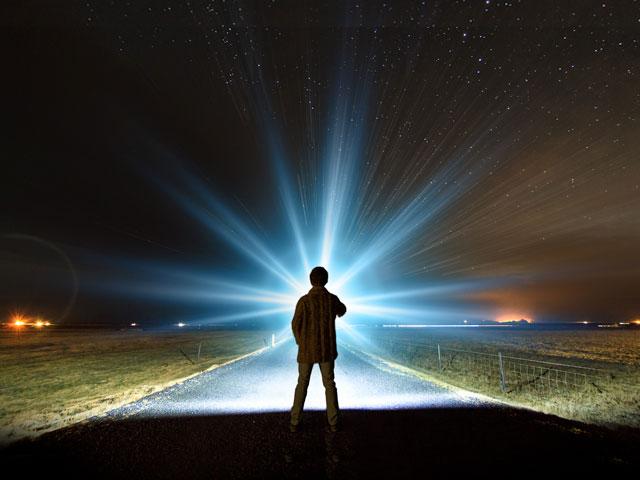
(51,377)
(610,395)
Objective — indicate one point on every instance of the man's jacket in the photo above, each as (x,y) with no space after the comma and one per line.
(314,325)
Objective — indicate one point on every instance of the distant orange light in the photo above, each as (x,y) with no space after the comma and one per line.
(20,320)
(636,322)
(513,317)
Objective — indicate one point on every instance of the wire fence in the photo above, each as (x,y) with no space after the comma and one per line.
(504,372)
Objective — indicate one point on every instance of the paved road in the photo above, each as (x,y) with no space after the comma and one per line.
(232,423)
(265,383)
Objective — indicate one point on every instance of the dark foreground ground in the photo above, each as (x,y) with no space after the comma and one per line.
(373,444)
(218,425)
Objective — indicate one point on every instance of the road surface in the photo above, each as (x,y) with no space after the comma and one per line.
(265,383)
(232,423)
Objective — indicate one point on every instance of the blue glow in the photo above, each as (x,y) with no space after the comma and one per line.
(353,279)
(331,213)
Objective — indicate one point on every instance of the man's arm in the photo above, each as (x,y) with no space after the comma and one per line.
(341,308)
(296,323)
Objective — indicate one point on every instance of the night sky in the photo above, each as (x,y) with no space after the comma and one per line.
(166,161)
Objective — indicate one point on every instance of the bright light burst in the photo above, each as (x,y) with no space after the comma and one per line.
(319,234)
(438,175)
(442,169)
(360,272)
(334,217)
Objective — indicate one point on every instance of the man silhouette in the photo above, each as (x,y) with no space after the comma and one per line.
(314,329)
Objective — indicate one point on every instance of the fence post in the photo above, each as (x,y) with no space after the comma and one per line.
(199,347)
(503,382)
(439,359)
(273,339)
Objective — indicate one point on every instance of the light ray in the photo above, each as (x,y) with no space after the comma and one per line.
(356,221)
(229,226)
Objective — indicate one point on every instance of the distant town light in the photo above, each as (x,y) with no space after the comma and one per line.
(134,324)
(181,324)
(20,320)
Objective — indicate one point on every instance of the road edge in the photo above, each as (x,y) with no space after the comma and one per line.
(440,383)
(92,415)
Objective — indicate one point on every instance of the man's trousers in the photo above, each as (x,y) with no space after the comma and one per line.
(331,393)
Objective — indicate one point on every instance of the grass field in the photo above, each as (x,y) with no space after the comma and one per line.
(50,378)
(587,375)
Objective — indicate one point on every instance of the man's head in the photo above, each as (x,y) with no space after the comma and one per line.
(319,277)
